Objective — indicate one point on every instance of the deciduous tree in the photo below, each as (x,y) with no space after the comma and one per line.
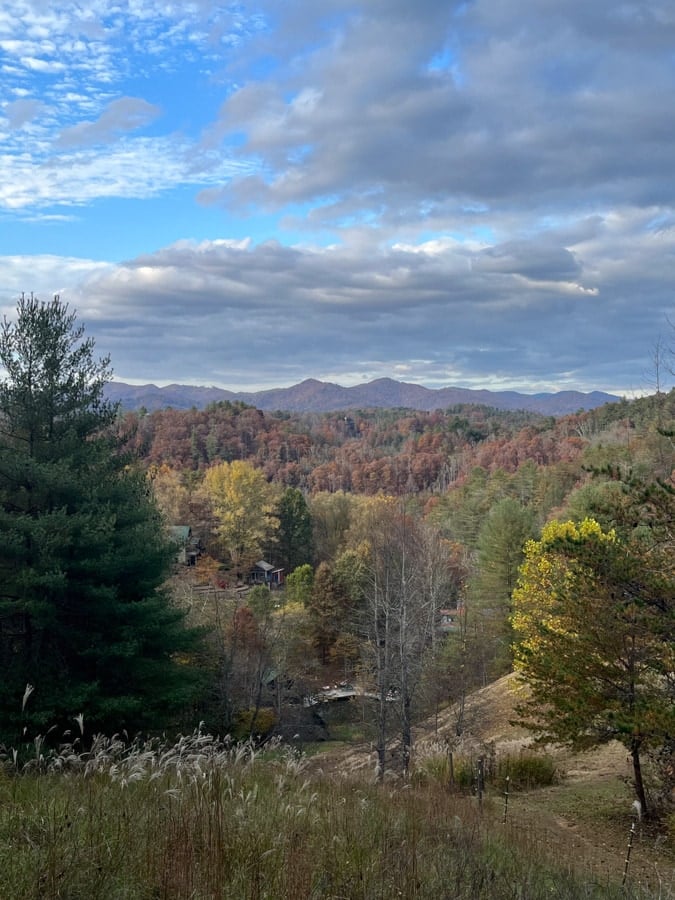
(299,584)
(594,621)
(331,517)
(399,618)
(244,504)
(327,608)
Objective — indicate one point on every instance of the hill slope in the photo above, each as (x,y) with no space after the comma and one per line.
(587,815)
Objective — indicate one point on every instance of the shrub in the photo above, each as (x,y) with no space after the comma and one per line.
(433,766)
(254,722)
(527,770)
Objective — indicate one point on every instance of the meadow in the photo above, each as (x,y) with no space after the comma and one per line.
(202,818)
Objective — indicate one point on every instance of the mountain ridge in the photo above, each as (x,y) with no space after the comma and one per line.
(312,395)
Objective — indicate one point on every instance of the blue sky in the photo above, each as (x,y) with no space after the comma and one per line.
(477,194)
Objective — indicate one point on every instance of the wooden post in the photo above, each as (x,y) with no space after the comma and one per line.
(630,847)
(481,781)
(506,800)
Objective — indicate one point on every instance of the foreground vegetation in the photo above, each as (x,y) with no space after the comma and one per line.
(203,819)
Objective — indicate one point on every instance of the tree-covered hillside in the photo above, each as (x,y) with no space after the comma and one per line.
(397,557)
(414,530)
(397,452)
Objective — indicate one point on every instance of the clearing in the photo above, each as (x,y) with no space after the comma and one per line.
(587,815)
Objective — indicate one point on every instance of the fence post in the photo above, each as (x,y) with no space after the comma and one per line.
(506,800)
(630,847)
(481,781)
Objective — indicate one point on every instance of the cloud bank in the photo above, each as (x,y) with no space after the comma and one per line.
(469,193)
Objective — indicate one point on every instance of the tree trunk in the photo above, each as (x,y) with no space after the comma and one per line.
(637,776)
(381,741)
(406,735)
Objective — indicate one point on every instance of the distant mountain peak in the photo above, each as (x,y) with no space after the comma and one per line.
(312,395)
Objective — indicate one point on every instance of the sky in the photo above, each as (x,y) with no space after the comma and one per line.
(476,194)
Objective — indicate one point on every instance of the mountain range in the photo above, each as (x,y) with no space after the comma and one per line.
(320,396)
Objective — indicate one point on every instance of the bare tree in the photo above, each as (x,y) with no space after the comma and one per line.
(401,611)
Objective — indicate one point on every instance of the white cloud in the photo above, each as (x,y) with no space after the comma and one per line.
(472,190)
(242,315)
(69,66)
(140,167)
(121,115)
(43,66)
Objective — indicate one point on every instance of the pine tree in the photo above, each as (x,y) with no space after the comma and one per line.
(499,555)
(295,530)
(83,555)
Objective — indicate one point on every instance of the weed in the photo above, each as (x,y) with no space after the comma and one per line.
(526,770)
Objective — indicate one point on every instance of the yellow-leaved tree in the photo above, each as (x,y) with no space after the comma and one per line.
(244,504)
(593,621)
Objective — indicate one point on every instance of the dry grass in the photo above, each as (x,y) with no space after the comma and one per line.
(199,818)
(586,814)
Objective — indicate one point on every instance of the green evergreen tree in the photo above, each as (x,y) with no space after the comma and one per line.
(83,555)
(500,553)
(295,530)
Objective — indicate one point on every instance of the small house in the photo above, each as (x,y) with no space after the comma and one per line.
(187,545)
(265,573)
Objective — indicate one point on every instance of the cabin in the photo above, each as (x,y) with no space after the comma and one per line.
(265,573)
(187,545)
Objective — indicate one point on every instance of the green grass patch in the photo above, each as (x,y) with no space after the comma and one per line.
(351,732)
(606,802)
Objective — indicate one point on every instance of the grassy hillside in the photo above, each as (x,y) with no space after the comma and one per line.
(577,806)
(205,819)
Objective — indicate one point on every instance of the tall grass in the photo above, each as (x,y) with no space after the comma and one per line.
(525,770)
(200,818)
